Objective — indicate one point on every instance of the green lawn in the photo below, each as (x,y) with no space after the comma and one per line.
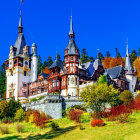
(70,131)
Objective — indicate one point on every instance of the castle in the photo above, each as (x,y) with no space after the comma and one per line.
(66,78)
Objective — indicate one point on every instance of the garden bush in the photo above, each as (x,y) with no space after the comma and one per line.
(85,117)
(75,115)
(40,119)
(20,128)
(80,107)
(20,115)
(97,122)
(53,125)
(137,102)
(4,130)
(126,96)
(31,119)
(28,113)
(7,120)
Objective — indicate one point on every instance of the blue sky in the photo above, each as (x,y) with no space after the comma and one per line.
(98,24)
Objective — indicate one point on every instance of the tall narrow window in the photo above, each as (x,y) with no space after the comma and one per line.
(72,58)
(25,73)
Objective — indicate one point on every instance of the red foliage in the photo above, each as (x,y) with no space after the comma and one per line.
(97,122)
(137,102)
(75,115)
(36,116)
(40,119)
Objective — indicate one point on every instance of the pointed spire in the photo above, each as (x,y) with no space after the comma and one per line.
(71,26)
(20,28)
(71,33)
(128,66)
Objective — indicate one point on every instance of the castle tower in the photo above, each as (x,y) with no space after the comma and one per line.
(129,71)
(72,57)
(34,61)
(18,67)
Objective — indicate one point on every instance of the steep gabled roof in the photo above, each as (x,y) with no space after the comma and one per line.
(57,63)
(114,72)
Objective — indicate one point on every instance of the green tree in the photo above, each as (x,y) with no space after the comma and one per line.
(3,109)
(84,56)
(13,106)
(126,96)
(107,54)
(117,53)
(133,56)
(44,65)
(39,65)
(2,80)
(138,51)
(49,61)
(100,56)
(97,95)
(20,115)
(102,79)
(91,58)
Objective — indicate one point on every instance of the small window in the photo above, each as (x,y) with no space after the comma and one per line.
(72,58)
(10,63)
(25,73)
(26,63)
(24,85)
(12,85)
(11,73)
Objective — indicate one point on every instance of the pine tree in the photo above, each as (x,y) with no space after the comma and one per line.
(39,65)
(100,56)
(133,56)
(49,61)
(91,58)
(44,65)
(2,80)
(107,54)
(84,56)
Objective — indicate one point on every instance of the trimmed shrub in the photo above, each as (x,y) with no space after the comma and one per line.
(40,119)
(97,122)
(20,128)
(126,96)
(36,116)
(75,115)
(85,117)
(28,113)
(4,130)
(20,115)
(31,119)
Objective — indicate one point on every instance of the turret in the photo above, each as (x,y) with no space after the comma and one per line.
(34,61)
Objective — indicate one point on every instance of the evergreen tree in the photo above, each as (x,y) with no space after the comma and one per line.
(107,54)
(116,49)
(100,56)
(133,56)
(91,58)
(39,65)
(49,61)
(118,55)
(84,56)
(58,56)
(44,65)
(2,80)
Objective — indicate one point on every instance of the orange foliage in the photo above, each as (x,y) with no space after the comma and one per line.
(110,62)
(137,64)
(97,122)
(46,70)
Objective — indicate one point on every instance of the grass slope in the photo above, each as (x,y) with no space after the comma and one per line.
(70,131)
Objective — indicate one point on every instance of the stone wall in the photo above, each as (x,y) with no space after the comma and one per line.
(54,104)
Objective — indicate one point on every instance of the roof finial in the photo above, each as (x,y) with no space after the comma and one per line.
(71,26)
(127,51)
